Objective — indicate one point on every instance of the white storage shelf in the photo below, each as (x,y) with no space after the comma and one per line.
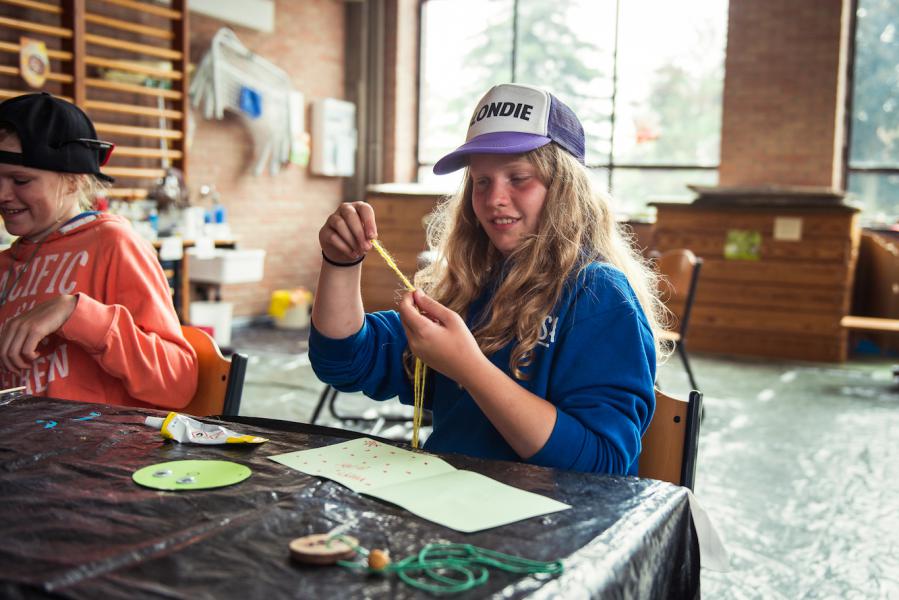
(227,266)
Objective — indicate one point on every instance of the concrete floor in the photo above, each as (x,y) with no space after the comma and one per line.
(797,463)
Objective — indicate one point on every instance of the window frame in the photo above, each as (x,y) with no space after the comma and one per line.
(610,165)
(848,170)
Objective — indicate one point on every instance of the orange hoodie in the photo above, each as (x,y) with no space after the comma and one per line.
(122,344)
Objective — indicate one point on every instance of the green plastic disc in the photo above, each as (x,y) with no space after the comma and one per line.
(191,475)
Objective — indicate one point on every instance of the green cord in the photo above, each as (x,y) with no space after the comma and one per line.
(454,567)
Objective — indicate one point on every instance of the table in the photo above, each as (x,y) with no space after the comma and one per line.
(74,525)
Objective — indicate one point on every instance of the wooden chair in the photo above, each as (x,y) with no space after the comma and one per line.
(680,270)
(220,382)
(670,443)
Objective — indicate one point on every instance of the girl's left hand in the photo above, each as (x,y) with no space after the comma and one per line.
(439,336)
(21,335)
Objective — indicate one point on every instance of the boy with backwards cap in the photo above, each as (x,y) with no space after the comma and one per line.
(85,310)
(537,315)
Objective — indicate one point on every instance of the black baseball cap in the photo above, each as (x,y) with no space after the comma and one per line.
(55,135)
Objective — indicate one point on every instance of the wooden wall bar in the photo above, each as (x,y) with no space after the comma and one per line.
(144,116)
(786,304)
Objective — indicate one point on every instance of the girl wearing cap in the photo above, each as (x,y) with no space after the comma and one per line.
(85,311)
(537,315)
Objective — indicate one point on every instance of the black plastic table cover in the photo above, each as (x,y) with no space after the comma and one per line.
(75,525)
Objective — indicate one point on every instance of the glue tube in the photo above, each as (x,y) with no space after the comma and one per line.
(184,429)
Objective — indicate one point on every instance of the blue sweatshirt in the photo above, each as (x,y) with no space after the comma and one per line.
(595,362)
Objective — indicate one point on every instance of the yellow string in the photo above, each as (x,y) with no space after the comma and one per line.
(419,400)
(421,369)
(392,264)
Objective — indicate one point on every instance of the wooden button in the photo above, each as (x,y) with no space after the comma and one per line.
(322,549)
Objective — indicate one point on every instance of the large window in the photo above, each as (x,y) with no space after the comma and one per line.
(873,165)
(644,76)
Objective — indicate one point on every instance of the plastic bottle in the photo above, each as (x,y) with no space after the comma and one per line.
(218,211)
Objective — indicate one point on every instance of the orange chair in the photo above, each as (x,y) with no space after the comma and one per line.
(680,270)
(220,381)
(670,444)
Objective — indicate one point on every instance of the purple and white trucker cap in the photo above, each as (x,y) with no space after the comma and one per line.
(514,119)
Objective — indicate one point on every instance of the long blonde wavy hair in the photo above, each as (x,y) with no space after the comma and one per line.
(576,227)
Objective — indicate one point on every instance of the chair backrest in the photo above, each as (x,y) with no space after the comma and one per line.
(670,442)
(680,271)
(220,381)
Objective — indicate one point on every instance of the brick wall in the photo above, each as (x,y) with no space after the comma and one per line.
(784,93)
(280,213)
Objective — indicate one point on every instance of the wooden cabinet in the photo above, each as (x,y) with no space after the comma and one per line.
(401,212)
(788,300)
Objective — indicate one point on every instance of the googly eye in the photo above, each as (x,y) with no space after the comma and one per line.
(189,478)
(162,473)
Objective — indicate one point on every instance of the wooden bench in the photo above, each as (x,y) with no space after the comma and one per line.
(870,324)
(878,324)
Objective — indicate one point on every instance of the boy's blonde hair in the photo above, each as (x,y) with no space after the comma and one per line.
(88,188)
(576,227)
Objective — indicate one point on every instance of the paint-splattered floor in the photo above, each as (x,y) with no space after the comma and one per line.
(798,462)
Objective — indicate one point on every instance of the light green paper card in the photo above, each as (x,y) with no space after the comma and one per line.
(467,501)
(421,483)
(364,464)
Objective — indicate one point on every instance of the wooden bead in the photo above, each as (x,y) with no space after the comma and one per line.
(378,560)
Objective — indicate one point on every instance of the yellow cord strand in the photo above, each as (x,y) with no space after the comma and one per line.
(419,398)
(421,369)
(392,264)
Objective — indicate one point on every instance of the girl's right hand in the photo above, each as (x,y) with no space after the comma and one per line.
(347,233)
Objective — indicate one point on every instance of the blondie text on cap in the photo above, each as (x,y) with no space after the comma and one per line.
(514,119)
(511,108)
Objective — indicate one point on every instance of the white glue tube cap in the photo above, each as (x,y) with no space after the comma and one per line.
(154,422)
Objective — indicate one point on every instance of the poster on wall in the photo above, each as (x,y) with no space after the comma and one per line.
(34,64)
(743,244)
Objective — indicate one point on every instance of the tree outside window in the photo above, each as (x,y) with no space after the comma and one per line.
(644,76)
(873,169)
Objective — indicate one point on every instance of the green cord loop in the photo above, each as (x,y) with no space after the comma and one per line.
(454,568)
